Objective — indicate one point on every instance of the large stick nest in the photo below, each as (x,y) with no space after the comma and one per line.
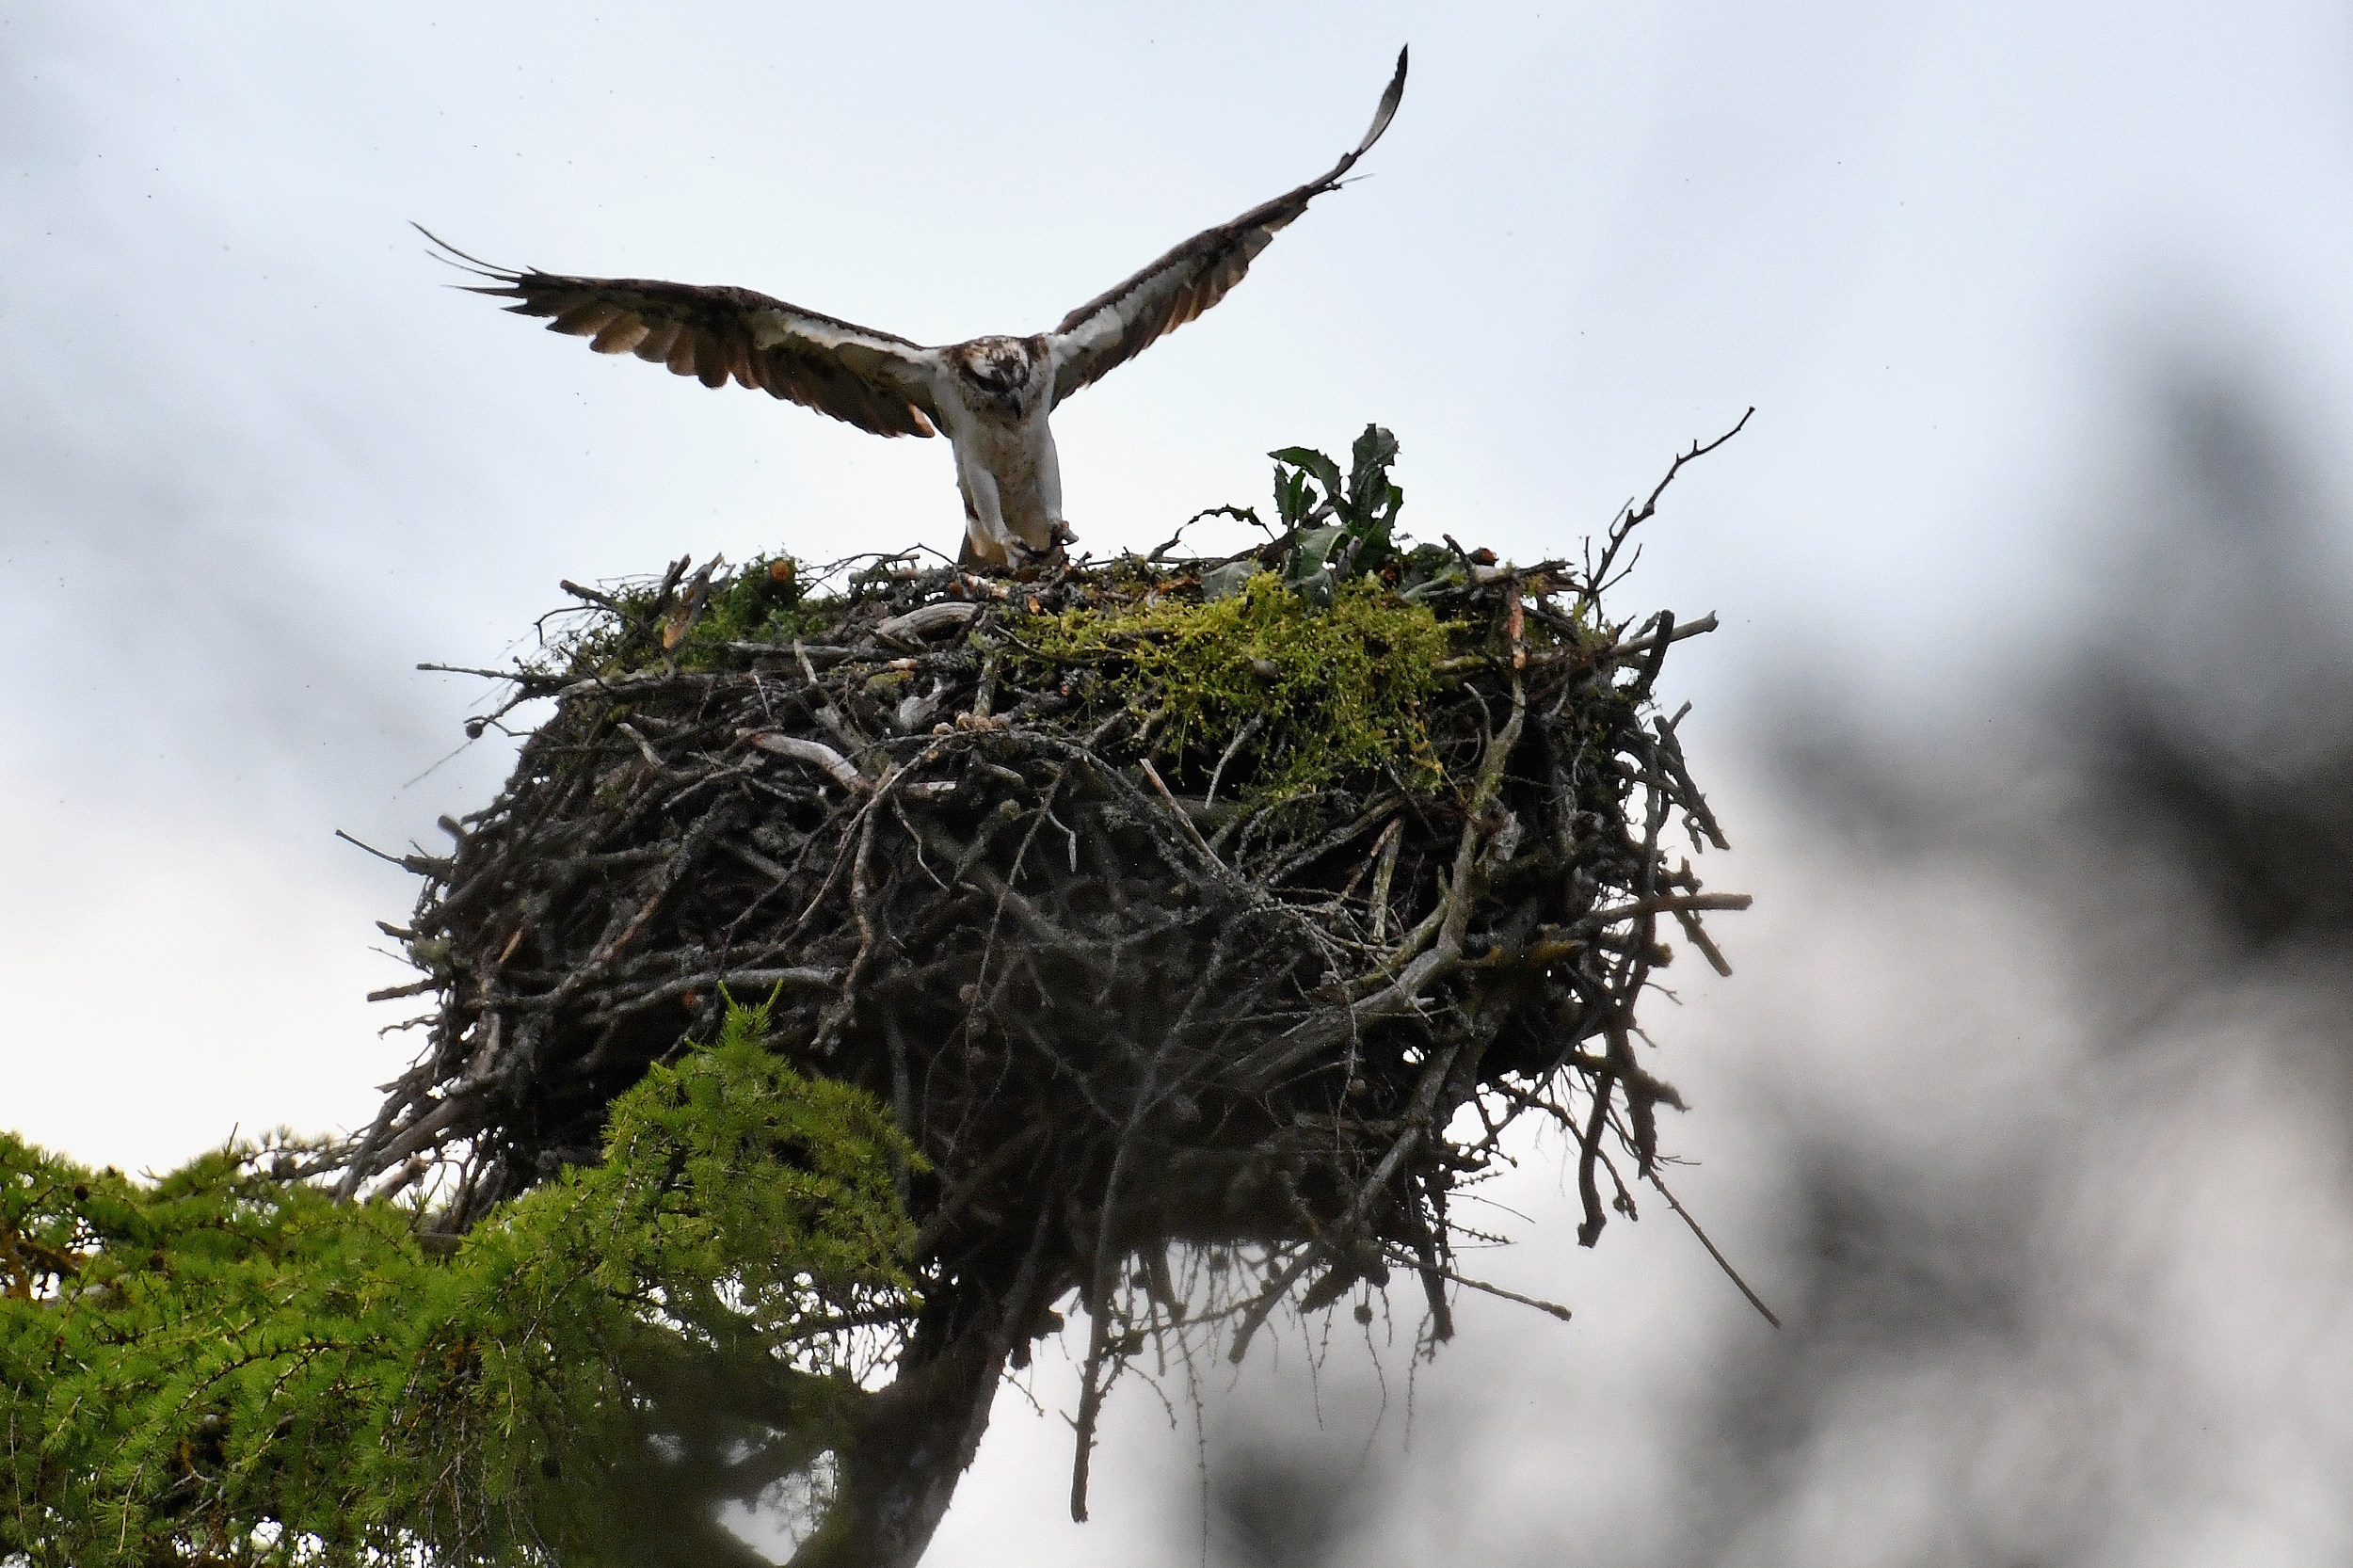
(1125,981)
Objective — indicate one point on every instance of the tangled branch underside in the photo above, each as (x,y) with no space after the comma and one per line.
(1117,995)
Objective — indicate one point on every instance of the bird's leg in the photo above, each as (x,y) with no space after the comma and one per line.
(1024,555)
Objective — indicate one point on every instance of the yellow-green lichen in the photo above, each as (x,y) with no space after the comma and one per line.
(1334,690)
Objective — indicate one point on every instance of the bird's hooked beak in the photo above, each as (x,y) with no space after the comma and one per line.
(1001,369)
(1009,384)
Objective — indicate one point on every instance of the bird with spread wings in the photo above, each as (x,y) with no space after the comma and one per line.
(992,395)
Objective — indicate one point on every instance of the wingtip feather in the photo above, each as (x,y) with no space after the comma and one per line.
(1390,99)
(444,251)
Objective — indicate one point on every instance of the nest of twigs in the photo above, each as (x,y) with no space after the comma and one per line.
(1125,982)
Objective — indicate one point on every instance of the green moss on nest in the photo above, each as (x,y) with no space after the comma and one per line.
(1332,691)
(764,601)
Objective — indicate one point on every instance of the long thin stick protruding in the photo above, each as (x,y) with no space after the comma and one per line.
(1713,1251)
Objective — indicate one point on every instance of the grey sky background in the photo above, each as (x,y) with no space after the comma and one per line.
(255,463)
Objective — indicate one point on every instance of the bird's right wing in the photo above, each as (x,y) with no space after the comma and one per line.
(1112,328)
(874,380)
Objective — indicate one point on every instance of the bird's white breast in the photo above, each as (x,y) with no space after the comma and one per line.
(1015,461)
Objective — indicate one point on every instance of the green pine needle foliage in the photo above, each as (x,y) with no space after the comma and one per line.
(225,1366)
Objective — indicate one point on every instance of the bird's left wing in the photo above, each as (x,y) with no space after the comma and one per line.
(875,380)
(1112,329)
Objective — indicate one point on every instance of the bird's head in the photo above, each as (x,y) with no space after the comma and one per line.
(1004,370)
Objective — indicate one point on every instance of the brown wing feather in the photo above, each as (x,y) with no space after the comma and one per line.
(871,379)
(1113,327)
(655,348)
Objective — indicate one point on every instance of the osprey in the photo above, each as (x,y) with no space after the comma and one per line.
(992,395)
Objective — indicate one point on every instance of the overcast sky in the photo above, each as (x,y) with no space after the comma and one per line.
(256,461)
